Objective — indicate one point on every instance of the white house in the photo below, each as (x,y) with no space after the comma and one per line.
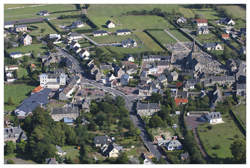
(181,20)
(8,25)
(84,54)
(174,145)
(55,36)
(130,58)
(100,33)
(213,46)
(110,24)
(52,81)
(123,32)
(214,117)
(26,40)
(227,21)
(11,68)
(129,43)
(201,22)
(43,13)
(74,36)
(16,55)
(77,24)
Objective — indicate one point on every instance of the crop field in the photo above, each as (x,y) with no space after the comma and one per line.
(221,134)
(162,37)
(18,92)
(16,12)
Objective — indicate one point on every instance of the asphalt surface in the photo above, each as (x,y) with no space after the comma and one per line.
(129,105)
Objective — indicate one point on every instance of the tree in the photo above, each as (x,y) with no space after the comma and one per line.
(119,101)
(122,159)
(238,150)
(10,101)
(20,147)
(50,45)
(9,148)
(10,161)
(155,122)
(155,98)
(15,74)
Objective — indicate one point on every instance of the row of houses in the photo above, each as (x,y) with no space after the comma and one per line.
(120,32)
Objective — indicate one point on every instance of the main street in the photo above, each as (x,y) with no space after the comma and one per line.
(129,105)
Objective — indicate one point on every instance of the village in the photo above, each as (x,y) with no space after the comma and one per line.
(122,101)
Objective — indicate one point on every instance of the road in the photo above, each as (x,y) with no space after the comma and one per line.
(129,105)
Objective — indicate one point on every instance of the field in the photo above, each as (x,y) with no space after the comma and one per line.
(240,111)
(178,35)
(18,92)
(37,48)
(21,72)
(16,12)
(207,38)
(235,10)
(148,42)
(222,134)
(162,37)
(71,152)
(41,30)
(113,38)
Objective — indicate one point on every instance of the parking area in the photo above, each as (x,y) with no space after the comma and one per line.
(193,122)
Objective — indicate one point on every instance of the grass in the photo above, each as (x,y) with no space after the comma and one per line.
(18,92)
(29,11)
(21,72)
(71,152)
(148,42)
(179,35)
(235,10)
(207,38)
(113,38)
(240,111)
(162,37)
(38,32)
(221,134)
(37,48)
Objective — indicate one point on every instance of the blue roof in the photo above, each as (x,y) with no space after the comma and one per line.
(122,30)
(68,120)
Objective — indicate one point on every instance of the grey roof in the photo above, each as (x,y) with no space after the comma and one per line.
(14,132)
(122,31)
(99,32)
(74,34)
(51,161)
(210,45)
(29,104)
(162,77)
(241,86)
(24,21)
(20,26)
(145,106)
(213,115)
(101,140)
(157,57)
(110,147)
(65,110)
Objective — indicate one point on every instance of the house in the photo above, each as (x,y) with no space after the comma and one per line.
(163,79)
(51,161)
(21,28)
(181,20)
(68,111)
(60,152)
(147,109)
(221,80)
(11,67)
(110,24)
(100,33)
(52,81)
(201,22)
(202,30)
(241,89)
(179,101)
(111,150)
(173,76)
(16,55)
(190,84)
(74,44)
(43,13)
(99,141)
(77,24)
(129,43)
(225,36)
(213,117)
(125,79)
(123,32)
(130,58)
(162,66)
(145,91)
(84,54)
(14,134)
(174,145)
(74,36)
(70,88)
(154,58)
(118,72)
(227,21)
(213,46)
(8,25)
(55,36)
(26,40)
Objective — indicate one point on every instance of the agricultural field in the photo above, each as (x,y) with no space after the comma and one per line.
(218,139)
(178,35)
(18,92)
(162,37)
(21,11)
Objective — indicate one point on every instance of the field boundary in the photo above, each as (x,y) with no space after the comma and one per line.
(238,122)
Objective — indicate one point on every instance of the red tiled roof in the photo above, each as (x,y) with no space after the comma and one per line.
(178,101)
(178,84)
(201,20)
(37,89)
(225,35)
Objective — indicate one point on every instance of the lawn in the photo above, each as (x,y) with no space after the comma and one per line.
(21,72)
(18,92)
(178,35)
(37,48)
(207,38)
(188,13)
(240,111)
(162,37)
(21,11)
(221,134)
(113,38)
(46,29)
(71,151)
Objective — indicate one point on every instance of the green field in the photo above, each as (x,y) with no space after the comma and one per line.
(207,38)
(37,48)
(148,42)
(38,32)
(71,152)
(29,11)
(113,38)
(21,72)
(240,111)
(18,92)
(162,37)
(235,10)
(178,35)
(221,134)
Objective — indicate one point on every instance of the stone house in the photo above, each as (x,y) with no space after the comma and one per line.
(147,109)
(26,40)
